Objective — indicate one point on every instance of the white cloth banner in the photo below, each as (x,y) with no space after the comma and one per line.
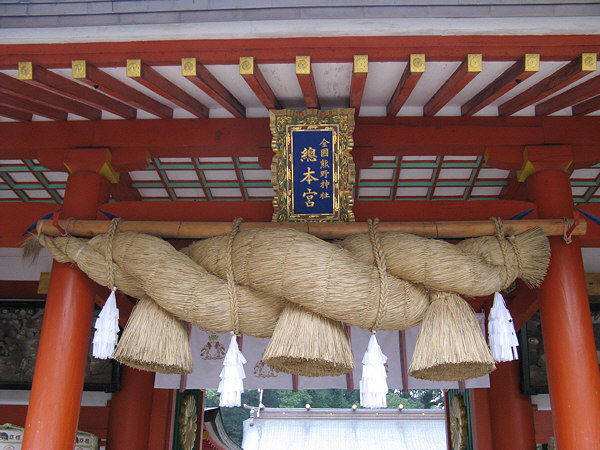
(208,351)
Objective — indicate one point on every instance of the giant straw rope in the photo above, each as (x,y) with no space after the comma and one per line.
(244,280)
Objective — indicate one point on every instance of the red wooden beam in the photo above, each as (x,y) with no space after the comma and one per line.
(408,81)
(577,94)
(360,71)
(244,137)
(122,191)
(526,66)
(15,114)
(250,71)
(306,80)
(589,106)
(201,77)
(523,306)
(42,77)
(90,74)
(32,107)
(18,88)
(548,86)
(468,69)
(321,49)
(147,76)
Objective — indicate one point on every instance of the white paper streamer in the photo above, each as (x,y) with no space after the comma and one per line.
(501,332)
(107,329)
(373,384)
(232,376)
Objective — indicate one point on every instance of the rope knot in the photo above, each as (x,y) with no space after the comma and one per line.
(380,261)
(233,300)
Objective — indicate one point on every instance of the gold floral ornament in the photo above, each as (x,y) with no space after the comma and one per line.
(188,422)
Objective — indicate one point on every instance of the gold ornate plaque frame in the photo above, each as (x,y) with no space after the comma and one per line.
(283,124)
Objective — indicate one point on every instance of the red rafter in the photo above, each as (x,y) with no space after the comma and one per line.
(309,89)
(213,88)
(453,85)
(110,85)
(32,107)
(407,83)
(64,86)
(589,106)
(18,88)
(548,86)
(497,88)
(577,94)
(15,114)
(261,88)
(357,88)
(165,88)
(330,49)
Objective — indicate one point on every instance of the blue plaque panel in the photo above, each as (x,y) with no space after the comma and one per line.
(312,172)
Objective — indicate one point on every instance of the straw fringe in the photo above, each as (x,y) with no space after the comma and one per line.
(450,346)
(154,340)
(308,344)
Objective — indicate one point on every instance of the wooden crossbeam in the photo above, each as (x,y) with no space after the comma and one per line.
(564,76)
(526,66)
(408,81)
(322,49)
(15,114)
(323,230)
(360,70)
(468,69)
(42,77)
(250,71)
(306,80)
(568,98)
(31,107)
(91,75)
(21,89)
(147,76)
(589,106)
(201,77)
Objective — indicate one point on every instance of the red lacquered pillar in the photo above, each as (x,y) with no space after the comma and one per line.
(511,413)
(571,361)
(57,387)
(130,411)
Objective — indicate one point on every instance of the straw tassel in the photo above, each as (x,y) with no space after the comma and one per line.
(373,385)
(501,332)
(107,328)
(232,376)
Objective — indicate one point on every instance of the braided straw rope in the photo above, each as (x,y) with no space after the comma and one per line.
(375,280)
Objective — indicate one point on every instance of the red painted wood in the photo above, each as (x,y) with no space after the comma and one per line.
(357,88)
(102,81)
(92,419)
(45,78)
(548,86)
(21,89)
(480,419)
(167,89)
(122,191)
(309,89)
(329,49)
(212,87)
(19,289)
(452,86)
(32,107)
(56,394)
(511,412)
(15,114)
(589,106)
(566,326)
(261,88)
(408,82)
(403,359)
(579,93)
(447,411)
(523,306)
(543,426)
(161,419)
(497,88)
(244,137)
(131,410)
